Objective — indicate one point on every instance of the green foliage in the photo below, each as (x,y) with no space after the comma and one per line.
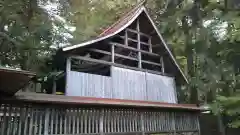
(204,36)
(25,35)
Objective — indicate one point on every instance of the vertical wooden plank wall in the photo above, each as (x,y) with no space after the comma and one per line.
(137,85)
(88,85)
(123,84)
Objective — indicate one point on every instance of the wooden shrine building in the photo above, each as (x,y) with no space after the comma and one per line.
(124,81)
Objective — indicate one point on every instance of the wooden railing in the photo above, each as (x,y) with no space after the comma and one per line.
(46,119)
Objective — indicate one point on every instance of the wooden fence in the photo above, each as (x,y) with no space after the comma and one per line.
(46,119)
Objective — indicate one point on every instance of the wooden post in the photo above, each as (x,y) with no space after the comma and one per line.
(3,127)
(112,52)
(68,69)
(150,44)
(21,113)
(126,38)
(174,124)
(139,45)
(101,122)
(142,123)
(31,120)
(198,124)
(26,120)
(162,63)
(46,121)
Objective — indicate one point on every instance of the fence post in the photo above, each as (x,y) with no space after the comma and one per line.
(101,122)
(174,124)
(46,121)
(142,123)
(4,119)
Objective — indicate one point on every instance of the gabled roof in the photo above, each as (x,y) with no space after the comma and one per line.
(122,21)
(114,29)
(122,24)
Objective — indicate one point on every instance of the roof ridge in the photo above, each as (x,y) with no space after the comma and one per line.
(132,10)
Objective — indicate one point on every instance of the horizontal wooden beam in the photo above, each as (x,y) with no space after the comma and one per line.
(133,49)
(91,60)
(126,57)
(116,54)
(133,40)
(118,65)
(100,51)
(152,63)
(136,32)
(61,99)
